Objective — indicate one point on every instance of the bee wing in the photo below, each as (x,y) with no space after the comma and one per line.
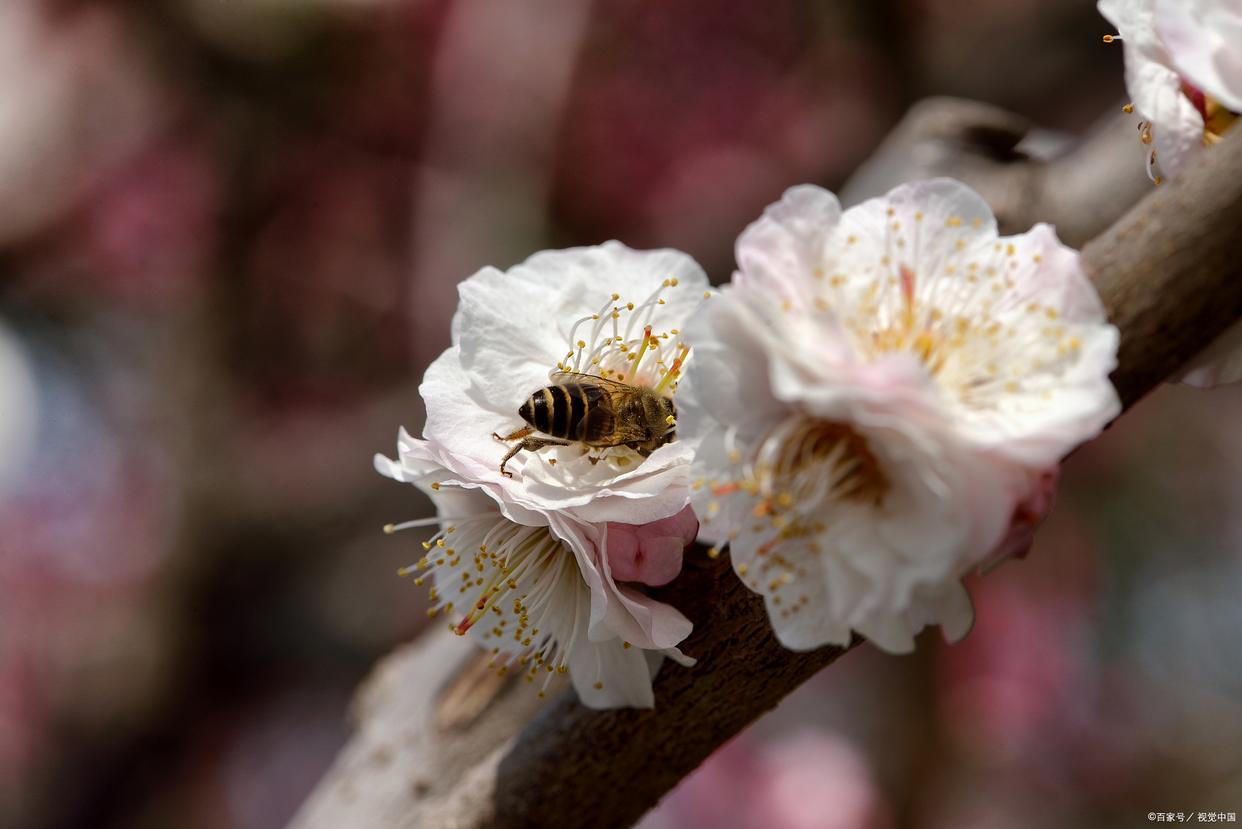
(561,377)
(605,423)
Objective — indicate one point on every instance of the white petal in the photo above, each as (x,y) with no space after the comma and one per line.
(622,674)
(728,376)
(1055,349)
(1219,363)
(1154,85)
(1177,127)
(787,241)
(1204,41)
(514,327)
(946,605)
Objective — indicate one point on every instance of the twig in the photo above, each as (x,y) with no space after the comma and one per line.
(1082,190)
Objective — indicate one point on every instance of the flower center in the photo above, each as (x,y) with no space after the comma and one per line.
(915,331)
(800,472)
(800,469)
(1216,119)
(623,344)
(811,462)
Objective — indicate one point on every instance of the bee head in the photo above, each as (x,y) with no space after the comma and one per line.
(668,417)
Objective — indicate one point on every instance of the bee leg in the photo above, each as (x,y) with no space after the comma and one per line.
(530,444)
(520,433)
(642,447)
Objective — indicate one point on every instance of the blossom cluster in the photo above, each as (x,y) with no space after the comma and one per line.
(875,406)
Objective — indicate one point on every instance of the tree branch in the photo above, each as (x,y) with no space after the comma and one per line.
(1169,274)
(1082,190)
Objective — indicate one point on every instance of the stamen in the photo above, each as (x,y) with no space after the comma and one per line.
(675,370)
(389,529)
(629,378)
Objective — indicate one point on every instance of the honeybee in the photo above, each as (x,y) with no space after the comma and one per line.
(595,412)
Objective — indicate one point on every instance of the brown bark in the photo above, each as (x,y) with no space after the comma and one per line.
(1169,274)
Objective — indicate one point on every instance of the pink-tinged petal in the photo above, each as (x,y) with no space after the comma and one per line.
(788,240)
(1204,41)
(1219,363)
(1155,85)
(650,553)
(617,610)
(814,781)
(1177,126)
(1027,516)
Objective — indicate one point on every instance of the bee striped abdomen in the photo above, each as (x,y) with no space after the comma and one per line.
(561,411)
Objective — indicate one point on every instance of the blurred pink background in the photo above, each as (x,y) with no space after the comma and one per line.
(230,234)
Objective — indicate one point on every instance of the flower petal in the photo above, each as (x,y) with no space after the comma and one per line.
(1204,42)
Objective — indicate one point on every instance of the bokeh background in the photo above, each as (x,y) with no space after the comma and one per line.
(230,232)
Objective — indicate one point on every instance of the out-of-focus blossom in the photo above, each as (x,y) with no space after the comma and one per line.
(19,406)
(145,235)
(534,542)
(1184,74)
(685,144)
(811,780)
(1204,39)
(326,281)
(817,781)
(1180,114)
(878,396)
(74,100)
(1017,687)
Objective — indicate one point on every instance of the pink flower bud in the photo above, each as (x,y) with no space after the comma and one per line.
(650,553)
(1027,516)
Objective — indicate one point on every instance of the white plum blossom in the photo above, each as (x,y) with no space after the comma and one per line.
(541,565)
(1183,73)
(881,398)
